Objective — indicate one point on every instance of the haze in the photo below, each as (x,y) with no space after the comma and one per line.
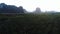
(30,5)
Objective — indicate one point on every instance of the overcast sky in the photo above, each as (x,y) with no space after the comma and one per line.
(30,5)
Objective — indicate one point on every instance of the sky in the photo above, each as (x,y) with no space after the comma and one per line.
(31,5)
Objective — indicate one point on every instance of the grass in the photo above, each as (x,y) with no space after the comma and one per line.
(30,24)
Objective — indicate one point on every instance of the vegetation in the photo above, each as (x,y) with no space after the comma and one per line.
(30,24)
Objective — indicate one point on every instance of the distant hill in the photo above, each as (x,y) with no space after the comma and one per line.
(4,8)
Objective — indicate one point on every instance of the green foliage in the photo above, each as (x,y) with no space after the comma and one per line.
(30,24)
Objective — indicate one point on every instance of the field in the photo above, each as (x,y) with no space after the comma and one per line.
(30,24)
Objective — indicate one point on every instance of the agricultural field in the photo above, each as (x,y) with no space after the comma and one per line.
(30,24)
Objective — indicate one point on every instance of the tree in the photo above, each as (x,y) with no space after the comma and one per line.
(21,9)
(38,10)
